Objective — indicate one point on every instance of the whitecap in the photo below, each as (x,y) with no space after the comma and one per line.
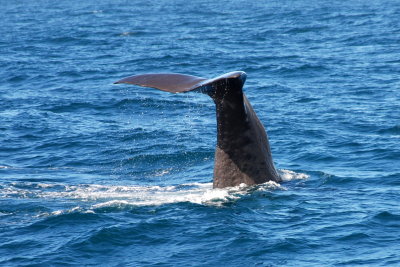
(287,175)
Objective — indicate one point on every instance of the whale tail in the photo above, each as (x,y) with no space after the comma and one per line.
(242,153)
(181,83)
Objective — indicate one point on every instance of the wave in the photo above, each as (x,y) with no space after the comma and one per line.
(394,130)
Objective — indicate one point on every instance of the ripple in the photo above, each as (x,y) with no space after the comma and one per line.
(386,216)
(354,237)
(301,68)
(395,130)
(306,29)
(307,100)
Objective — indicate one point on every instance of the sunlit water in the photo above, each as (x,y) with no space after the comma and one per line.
(93,173)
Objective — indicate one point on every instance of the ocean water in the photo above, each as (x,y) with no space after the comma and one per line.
(93,173)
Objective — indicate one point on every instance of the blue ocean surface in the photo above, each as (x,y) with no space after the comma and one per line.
(97,174)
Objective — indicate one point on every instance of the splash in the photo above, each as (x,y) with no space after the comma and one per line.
(287,175)
(91,197)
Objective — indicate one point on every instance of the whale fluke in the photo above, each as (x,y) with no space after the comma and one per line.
(242,154)
(178,83)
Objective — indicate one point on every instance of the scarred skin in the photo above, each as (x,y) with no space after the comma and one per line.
(242,154)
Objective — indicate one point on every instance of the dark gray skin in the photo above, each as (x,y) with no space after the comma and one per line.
(243,154)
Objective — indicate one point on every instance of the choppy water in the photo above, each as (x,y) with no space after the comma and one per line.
(93,173)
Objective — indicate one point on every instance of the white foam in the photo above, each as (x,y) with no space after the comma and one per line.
(271,185)
(163,172)
(156,195)
(66,211)
(45,185)
(96,196)
(119,196)
(287,175)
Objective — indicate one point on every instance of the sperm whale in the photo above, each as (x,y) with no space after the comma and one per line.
(242,153)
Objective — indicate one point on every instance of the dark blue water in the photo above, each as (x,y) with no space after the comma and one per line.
(93,173)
